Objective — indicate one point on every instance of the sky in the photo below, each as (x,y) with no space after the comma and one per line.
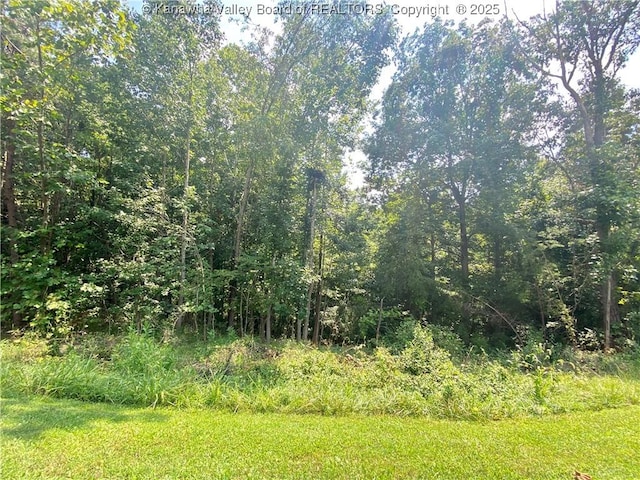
(411,14)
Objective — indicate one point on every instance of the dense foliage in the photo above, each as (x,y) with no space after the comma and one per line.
(422,378)
(155,177)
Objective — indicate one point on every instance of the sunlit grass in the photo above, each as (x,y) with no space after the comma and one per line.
(290,378)
(55,439)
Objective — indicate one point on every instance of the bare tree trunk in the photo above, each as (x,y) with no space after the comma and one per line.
(318,306)
(379,320)
(312,285)
(185,226)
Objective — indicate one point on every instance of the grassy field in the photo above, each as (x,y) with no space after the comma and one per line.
(234,409)
(55,439)
(245,376)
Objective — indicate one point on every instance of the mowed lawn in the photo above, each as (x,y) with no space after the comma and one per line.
(54,439)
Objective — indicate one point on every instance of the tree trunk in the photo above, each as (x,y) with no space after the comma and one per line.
(185,197)
(241,317)
(599,179)
(464,240)
(460,197)
(379,320)
(44,197)
(312,285)
(459,194)
(185,226)
(8,192)
(9,199)
(602,42)
(594,136)
(267,325)
(607,312)
(497,259)
(241,213)
(318,307)
(432,256)
(237,246)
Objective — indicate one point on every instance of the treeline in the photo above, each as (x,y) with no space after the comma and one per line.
(155,177)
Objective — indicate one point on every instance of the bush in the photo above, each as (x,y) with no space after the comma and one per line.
(395,326)
(24,349)
(140,354)
(446,338)
(422,356)
(399,338)
(290,377)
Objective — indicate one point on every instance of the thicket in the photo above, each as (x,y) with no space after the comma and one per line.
(420,378)
(154,176)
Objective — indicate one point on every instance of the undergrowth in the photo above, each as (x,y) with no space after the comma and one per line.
(288,377)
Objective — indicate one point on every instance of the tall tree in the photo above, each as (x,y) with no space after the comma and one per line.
(319,73)
(583,45)
(51,52)
(167,80)
(452,130)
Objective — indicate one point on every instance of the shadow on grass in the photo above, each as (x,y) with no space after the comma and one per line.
(27,418)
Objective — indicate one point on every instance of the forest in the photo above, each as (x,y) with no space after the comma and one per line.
(334,249)
(157,177)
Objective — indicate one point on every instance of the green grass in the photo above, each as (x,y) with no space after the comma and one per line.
(54,439)
(293,378)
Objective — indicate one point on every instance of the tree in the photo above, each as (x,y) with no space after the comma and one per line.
(452,132)
(583,45)
(166,86)
(52,50)
(317,78)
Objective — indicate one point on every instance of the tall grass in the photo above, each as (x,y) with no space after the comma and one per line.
(138,371)
(244,375)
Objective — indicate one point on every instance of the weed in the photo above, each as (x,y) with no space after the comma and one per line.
(288,377)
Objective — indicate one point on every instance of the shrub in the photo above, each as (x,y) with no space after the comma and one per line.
(422,356)
(24,349)
(399,338)
(290,377)
(140,354)
(446,338)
